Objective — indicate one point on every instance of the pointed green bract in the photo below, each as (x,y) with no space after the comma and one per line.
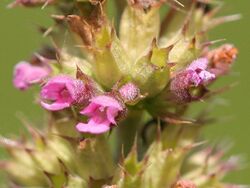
(152,70)
(110,58)
(137,29)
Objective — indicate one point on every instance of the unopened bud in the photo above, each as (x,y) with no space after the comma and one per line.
(222,58)
(129,92)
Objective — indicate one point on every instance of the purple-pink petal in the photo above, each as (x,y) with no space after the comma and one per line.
(194,75)
(200,64)
(102,112)
(90,109)
(111,114)
(61,92)
(206,76)
(26,74)
(106,101)
(55,106)
(93,127)
(51,90)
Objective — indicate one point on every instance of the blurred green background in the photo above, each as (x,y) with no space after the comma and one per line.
(19,39)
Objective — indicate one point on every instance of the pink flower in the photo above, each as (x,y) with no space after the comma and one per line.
(193,76)
(102,111)
(199,66)
(62,92)
(26,74)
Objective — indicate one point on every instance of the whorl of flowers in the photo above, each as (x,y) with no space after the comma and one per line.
(117,92)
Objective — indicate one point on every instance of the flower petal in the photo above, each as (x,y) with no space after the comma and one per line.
(92,127)
(200,64)
(206,76)
(26,74)
(107,101)
(90,109)
(111,114)
(55,106)
(51,90)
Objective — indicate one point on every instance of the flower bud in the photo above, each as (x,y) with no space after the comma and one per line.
(221,59)
(129,93)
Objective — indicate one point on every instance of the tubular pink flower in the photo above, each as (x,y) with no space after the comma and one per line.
(62,92)
(193,76)
(26,74)
(102,112)
(199,66)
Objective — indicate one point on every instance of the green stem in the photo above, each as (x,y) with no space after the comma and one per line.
(128,130)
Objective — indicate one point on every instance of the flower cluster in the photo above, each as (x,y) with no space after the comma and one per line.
(63,91)
(103,110)
(136,75)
